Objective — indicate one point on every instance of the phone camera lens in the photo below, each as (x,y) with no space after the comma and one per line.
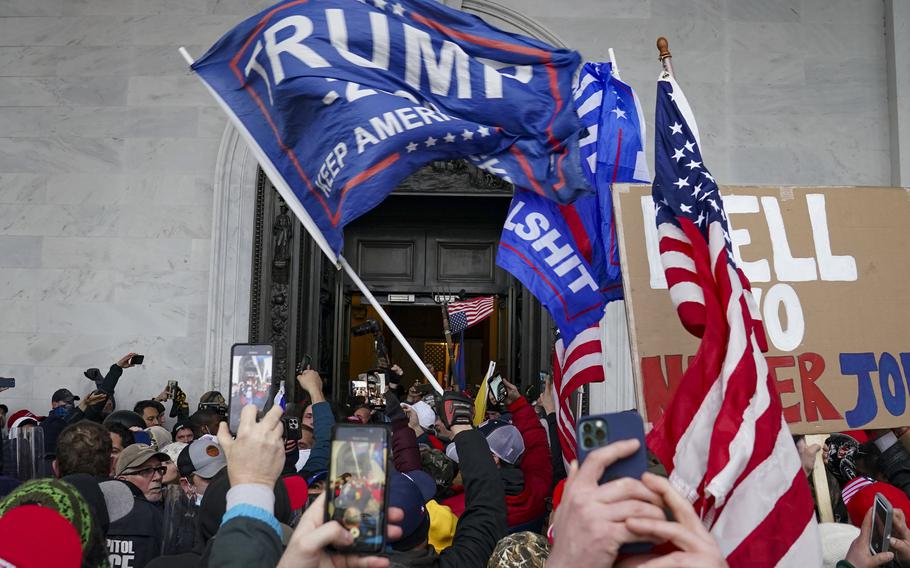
(588,442)
(600,434)
(587,428)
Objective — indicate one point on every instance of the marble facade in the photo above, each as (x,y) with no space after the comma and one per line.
(111,153)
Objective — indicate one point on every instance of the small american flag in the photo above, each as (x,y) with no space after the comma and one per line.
(574,366)
(723,437)
(466,313)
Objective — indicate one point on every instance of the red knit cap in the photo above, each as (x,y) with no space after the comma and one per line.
(25,532)
(865,499)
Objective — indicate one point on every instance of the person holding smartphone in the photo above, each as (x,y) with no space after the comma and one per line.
(249,534)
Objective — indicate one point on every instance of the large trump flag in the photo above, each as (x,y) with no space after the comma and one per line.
(342,99)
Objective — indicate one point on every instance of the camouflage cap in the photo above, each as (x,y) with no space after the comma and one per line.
(523,549)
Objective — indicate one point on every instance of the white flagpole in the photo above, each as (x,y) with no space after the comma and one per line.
(614,65)
(294,204)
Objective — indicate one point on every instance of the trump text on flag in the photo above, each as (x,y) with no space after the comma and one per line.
(826,269)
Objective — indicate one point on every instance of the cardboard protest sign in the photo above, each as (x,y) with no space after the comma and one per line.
(831,275)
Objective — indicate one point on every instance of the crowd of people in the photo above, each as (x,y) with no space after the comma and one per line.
(118,488)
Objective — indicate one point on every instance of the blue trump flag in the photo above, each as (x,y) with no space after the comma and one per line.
(554,251)
(612,150)
(342,99)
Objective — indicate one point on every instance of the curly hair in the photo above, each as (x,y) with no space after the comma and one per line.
(84,447)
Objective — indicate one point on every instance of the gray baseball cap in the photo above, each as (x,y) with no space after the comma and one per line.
(504,439)
(203,457)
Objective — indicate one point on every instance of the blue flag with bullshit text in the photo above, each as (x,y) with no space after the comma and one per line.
(342,99)
(554,250)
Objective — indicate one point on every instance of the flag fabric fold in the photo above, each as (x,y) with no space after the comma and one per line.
(722,438)
(340,100)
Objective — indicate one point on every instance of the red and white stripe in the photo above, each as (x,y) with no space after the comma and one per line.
(574,366)
(475,309)
(723,437)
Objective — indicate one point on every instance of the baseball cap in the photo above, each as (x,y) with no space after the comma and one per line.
(135,455)
(19,417)
(203,457)
(504,439)
(160,436)
(410,492)
(63,395)
(425,414)
(173,450)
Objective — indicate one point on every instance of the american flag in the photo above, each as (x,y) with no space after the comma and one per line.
(723,437)
(573,367)
(466,313)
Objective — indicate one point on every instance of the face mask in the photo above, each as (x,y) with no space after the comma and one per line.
(61,411)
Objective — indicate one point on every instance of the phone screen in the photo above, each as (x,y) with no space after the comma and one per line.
(497,390)
(376,388)
(251,379)
(881,525)
(357,484)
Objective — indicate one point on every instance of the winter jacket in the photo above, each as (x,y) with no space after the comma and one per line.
(483,521)
(527,505)
(323,420)
(136,539)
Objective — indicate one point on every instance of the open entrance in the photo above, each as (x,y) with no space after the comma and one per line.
(422,326)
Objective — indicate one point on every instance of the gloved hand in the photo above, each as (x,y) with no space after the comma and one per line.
(455,409)
(393,408)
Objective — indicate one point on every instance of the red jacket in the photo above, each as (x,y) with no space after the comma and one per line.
(535,464)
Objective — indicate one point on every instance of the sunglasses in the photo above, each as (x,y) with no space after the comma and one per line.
(149,471)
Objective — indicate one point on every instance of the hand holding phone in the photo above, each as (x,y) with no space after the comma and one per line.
(357,482)
(882,519)
(251,380)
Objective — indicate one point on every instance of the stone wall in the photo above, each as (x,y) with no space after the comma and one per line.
(108,151)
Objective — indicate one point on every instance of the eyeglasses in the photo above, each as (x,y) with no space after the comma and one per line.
(148,471)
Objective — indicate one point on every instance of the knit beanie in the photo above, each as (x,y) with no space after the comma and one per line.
(64,499)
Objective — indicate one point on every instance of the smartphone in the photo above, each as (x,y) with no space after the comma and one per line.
(142,437)
(882,516)
(357,484)
(251,380)
(171,388)
(596,431)
(497,390)
(137,359)
(7,383)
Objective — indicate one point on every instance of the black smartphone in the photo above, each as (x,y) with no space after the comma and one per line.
(251,380)
(600,430)
(358,484)
(882,516)
(171,388)
(137,359)
(7,383)
(497,390)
